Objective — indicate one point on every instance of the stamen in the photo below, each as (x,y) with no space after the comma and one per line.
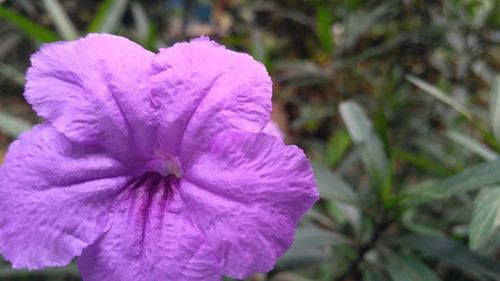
(165,164)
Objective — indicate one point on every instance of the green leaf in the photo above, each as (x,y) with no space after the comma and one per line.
(141,20)
(344,201)
(61,20)
(485,223)
(13,126)
(32,29)
(332,187)
(377,50)
(422,161)
(152,38)
(320,218)
(474,146)
(470,179)
(364,137)
(371,274)
(96,24)
(10,72)
(408,220)
(324,24)
(406,268)
(440,95)
(8,272)
(10,40)
(289,276)
(108,16)
(301,72)
(361,21)
(337,147)
(312,236)
(309,246)
(495,107)
(450,252)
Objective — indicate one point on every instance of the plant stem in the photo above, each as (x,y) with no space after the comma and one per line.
(353,269)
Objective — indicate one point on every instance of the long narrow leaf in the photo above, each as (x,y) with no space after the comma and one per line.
(440,95)
(32,29)
(372,274)
(61,20)
(337,146)
(450,252)
(474,146)
(141,21)
(309,246)
(108,17)
(9,42)
(10,72)
(406,268)
(485,223)
(332,187)
(495,107)
(13,126)
(470,179)
(361,130)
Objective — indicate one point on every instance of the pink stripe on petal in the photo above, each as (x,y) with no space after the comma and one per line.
(152,238)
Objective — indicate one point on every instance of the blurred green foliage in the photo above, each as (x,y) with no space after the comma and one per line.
(396,103)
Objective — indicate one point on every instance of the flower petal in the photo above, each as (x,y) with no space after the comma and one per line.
(53,198)
(273,129)
(95,91)
(203,89)
(152,239)
(247,194)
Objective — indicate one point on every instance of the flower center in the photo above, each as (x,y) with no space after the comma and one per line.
(165,164)
(150,194)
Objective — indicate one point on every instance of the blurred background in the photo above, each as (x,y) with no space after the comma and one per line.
(395,102)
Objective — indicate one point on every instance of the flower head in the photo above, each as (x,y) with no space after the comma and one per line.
(150,166)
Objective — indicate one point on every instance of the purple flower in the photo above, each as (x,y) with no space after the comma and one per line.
(150,166)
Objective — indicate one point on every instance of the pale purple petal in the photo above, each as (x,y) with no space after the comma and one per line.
(96,92)
(100,178)
(53,198)
(152,238)
(247,194)
(201,89)
(272,129)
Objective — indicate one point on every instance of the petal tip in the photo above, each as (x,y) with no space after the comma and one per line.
(201,38)
(206,39)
